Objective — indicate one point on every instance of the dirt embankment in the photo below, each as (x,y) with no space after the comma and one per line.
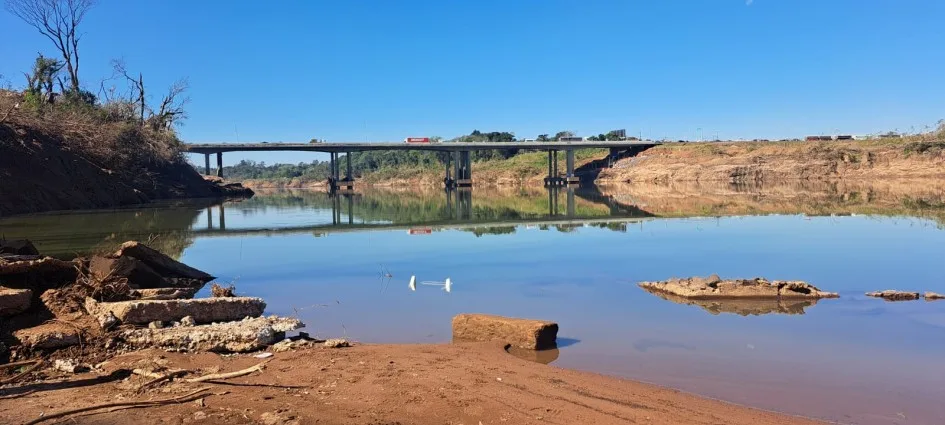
(782,161)
(69,160)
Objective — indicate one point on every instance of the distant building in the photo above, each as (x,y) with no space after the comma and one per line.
(621,134)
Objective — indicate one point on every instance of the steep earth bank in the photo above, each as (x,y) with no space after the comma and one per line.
(781,161)
(47,166)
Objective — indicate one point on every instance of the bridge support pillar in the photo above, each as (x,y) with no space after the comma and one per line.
(570,202)
(447,179)
(206,163)
(348,181)
(220,164)
(348,166)
(553,179)
(463,168)
(222,218)
(570,178)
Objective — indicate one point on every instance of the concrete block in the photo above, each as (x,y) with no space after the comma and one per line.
(249,334)
(14,301)
(202,310)
(522,333)
(48,336)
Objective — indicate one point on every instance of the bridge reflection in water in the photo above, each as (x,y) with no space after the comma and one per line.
(452,209)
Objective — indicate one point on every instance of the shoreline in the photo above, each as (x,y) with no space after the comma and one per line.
(399,383)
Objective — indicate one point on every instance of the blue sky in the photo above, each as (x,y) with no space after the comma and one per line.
(384,70)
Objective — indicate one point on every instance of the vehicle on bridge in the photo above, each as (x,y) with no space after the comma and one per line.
(571,139)
(417,140)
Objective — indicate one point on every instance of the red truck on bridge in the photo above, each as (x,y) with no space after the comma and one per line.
(417,140)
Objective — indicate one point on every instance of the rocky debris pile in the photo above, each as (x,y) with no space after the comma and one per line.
(145,268)
(133,298)
(931,296)
(741,306)
(522,333)
(714,287)
(894,295)
(248,334)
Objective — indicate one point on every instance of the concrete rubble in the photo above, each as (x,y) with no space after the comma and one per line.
(894,295)
(160,263)
(164,293)
(48,336)
(201,310)
(522,333)
(24,264)
(135,297)
(69,366)
(144,268)
(249,334)
(14,301)
(714,287)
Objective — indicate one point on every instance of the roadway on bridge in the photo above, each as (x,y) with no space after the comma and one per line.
(210,148)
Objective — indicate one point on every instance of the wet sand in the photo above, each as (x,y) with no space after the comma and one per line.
(380,384)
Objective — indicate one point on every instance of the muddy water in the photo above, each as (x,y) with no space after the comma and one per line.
(343,265)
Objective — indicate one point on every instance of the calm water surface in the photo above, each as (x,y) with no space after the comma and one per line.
(575,257)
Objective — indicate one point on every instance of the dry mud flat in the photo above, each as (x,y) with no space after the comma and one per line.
(467,383)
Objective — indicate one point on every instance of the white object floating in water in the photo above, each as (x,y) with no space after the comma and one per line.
(447,285)
(413,283)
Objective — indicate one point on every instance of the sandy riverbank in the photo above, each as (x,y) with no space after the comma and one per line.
(379,384)
(782,161)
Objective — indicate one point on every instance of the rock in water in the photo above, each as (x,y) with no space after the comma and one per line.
(201,310)
(249,334)
(759,288)
(894,295)
(522,333)
(931,296)
(14,301)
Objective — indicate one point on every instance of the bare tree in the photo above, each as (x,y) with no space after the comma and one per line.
(137,85)
(57,20)
(171,110)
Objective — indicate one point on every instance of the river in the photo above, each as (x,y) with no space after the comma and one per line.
(342,264)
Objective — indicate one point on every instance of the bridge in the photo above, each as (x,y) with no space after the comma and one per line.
(458,215)
(459,158)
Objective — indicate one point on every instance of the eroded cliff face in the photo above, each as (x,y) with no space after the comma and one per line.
(46,170)
(781,161)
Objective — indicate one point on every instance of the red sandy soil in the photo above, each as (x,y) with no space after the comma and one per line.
(472,383)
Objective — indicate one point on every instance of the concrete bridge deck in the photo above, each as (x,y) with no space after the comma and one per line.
(459,155)
(212,148)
